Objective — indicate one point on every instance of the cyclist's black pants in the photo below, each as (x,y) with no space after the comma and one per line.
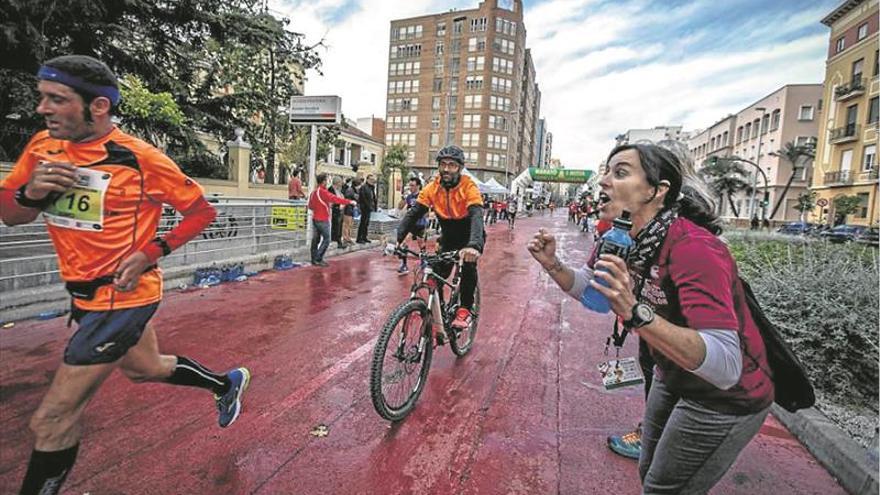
(468,281)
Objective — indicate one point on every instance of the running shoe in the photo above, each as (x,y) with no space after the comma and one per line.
(403,269)
(627,445)
(229,404)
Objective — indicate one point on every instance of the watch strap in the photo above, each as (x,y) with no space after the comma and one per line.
(22,199)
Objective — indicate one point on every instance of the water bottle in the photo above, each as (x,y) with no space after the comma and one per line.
(617,242)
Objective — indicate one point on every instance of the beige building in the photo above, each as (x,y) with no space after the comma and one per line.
(659,133)
(846,155)
(758,133)
(458,77)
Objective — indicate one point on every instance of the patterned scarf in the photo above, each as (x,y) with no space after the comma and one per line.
(648,243)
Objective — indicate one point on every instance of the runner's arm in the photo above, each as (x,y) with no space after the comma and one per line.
(329,197)
(195,219)
(13,213)
(475,213)
(409,220)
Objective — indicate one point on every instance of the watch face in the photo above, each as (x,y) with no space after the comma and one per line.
(644,312)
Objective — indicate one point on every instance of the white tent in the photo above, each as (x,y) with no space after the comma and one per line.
(479,183)
(492,186)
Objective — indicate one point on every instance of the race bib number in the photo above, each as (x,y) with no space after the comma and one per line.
(82,206)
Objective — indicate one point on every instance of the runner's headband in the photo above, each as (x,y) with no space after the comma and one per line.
(47,73)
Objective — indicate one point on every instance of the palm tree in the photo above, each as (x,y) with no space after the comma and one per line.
(725,178)
(799,155)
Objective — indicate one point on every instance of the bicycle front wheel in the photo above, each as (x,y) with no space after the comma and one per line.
(401,360)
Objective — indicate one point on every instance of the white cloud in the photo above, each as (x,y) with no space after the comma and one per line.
(597,75)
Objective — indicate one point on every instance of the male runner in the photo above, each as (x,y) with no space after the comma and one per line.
(418,231)
(101,193)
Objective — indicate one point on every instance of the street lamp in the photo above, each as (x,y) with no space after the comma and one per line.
(735,158)
(757,165)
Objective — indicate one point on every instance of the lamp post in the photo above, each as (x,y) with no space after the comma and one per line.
(754,183)
(756,164)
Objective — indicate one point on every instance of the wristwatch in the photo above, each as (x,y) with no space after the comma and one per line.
(642,314)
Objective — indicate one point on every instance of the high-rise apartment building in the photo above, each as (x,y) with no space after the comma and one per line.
(464,77)
(846,154)
(659,133)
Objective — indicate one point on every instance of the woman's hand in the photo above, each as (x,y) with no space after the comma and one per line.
(543,248)
(613,271)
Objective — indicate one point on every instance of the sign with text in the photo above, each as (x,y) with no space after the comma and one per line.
(318,110)
(288,218)
(559,175)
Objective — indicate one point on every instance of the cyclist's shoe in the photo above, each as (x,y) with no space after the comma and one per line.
(403,270)
(229,404)
(463,319)
(441,337)
(627,445)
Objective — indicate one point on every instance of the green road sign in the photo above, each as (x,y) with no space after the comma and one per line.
(559,175)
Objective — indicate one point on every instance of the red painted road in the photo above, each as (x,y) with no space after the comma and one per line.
(522,414)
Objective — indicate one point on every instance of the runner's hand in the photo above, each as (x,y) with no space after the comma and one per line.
(469,255)
(49,177)
(543,248)
(129,272)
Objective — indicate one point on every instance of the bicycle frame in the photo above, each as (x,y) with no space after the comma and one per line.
(434,283)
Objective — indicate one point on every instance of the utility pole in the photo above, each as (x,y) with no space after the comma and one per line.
(758,164)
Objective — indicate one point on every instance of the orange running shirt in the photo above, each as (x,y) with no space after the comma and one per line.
(114,212)
(451,204)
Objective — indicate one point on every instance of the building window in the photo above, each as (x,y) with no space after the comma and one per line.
(499,103)
(478,25)
(458,26)
(724,139)
(471,157)
(739,134)
(470,140)
(441,29)
(473,82)
(840,45)
(454,65)
(438,65)
(477,63)
(438,48)
(406,33)
(407,86)
(455,46)
(504,26)
(869,160)
(471,121)
(876,62)
(805,112)
(453,102)
(863,205)
(473,101)
(435,139)
(477,44)
(756,127)
(872,110)
(435,122)
(413,50)
(498,122)
(863,32)
(496,141)
(501,85)
(502,65)
(438,85)
(453,85)
(435,103)
(505,46)
(857,70)
(774,120)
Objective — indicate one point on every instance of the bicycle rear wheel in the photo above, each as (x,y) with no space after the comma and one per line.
(401,360)
(461,343)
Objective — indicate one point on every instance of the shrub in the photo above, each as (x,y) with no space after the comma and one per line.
(824,299)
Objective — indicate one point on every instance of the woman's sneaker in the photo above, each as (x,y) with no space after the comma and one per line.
(627,445)
(229,404)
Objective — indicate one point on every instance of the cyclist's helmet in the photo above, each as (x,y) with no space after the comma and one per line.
(452,152)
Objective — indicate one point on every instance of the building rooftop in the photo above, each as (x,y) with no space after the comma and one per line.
(841,11)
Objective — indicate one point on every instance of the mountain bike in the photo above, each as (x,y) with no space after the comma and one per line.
(403,352)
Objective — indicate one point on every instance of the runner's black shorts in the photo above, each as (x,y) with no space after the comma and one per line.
(105,336)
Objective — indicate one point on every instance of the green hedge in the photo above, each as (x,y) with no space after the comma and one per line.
(824,298)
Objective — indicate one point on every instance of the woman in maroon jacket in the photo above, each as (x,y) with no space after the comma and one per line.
(319,203)
(679,291)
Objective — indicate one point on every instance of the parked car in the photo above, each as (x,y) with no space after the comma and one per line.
(843,233)
(870,237)
(796,228)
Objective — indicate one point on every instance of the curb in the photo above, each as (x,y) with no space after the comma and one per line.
(848,462)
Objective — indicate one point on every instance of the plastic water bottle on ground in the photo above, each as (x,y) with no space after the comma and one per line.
(618,242)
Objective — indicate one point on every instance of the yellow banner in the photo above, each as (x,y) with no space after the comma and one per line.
(288,218)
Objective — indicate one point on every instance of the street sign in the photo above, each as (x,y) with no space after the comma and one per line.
(559,175)
(315,110)
(822,202)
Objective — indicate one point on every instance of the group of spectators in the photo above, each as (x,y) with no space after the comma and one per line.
(334,209)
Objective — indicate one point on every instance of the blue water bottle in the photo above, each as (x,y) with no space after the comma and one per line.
(617,242)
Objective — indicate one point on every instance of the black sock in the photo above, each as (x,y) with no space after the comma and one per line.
(191,373)
(47,471)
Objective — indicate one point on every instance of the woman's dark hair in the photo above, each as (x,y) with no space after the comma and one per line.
(685,188)
(90,70)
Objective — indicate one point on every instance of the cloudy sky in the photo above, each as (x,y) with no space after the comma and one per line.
(603,66)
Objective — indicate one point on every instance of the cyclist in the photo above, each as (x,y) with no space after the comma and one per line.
(511,211)
(418,232)
(101,192)
(457,202)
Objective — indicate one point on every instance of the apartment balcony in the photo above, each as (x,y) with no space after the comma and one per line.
(845,134)
(851,90)
(867,176)
(840,177)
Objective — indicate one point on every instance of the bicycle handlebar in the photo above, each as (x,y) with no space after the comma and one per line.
(429,258)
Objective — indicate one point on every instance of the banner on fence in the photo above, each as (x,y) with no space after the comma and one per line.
(288,218)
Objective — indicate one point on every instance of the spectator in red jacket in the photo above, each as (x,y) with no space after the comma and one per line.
(319,203)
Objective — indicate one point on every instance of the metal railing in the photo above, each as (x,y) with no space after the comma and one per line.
(849,132)
(846,91)
(839,177)
(243,227)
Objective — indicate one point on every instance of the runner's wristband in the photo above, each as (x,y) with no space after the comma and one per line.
(22,199)
(166,249)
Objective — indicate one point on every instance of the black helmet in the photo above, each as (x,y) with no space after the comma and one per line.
(452,152)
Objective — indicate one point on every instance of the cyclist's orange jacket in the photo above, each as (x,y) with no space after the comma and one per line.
(451,204)
(459,211)
(142,178)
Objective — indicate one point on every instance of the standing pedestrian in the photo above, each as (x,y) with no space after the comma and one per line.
(319,202)
(336,213)
(755,222)
(367,205)
(107,261)
(349,193)
(418,230)
(295,186)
